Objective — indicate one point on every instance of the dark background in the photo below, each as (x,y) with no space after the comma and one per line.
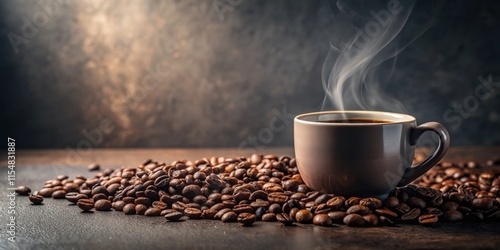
(217,73)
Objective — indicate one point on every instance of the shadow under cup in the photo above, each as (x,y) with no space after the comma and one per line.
(360,153)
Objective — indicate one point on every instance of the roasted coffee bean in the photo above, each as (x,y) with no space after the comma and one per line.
(99,196)
(258,194)
(269,217)
(284,219)
(453,215)
(354,220)
(358,209)
(411,215)
(242,208)
(58,194)
(100,190)
(259,212)
(322,220)
(73,197)
(391,202)
(221,213)
(190,191)
(173,216)
(102,205)
(371,203)
(85,204)
(304,216)
(336,202)
(337,216)
(36,199)
(140,209)
(143,200)
(192,213)
(241,195)
(46,192)
(402,208)
(484,203)
(152,212)
(449,205)
(275,208)
(297,196)
(416,202)
(433,210)
(386,212)
(209,214)
(277,198)
(352,201)
(303,188)
(428,219)
(93,167)
(23,190)
(322,209)
(118,205)
(371,220)
(129,209)
(152,194)
(247,219)
(229,217)
(323,198)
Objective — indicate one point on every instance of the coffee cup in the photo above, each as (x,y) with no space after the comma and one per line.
(362,153)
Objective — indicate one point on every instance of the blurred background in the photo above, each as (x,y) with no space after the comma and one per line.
(223,73)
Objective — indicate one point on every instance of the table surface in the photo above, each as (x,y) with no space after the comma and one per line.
(57,225)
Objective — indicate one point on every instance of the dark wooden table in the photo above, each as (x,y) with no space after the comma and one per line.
(57,225)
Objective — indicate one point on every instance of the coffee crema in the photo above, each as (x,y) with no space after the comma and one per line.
(356,120)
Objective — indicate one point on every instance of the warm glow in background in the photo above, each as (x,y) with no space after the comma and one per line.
(183,74)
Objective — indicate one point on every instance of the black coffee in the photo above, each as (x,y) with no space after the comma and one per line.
(356,120)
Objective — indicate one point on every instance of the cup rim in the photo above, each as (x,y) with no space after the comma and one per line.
(399,118)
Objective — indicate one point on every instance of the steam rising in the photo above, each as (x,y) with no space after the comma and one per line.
(364,40)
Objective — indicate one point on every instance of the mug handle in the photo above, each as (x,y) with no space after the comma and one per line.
(414,172)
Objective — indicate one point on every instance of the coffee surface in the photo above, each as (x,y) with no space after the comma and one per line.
(356,120)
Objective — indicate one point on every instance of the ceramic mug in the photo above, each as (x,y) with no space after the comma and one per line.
(362,153)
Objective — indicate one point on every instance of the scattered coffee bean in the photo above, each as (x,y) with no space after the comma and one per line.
(304,216)
(358,209)
(94,167)
(85,204)
(269,217)
(322,220)
(23,190)
(140,209)
(229,217)
(129,209)
(428,219)
(192,213)
(269,188)
(453,215)
(102,205)
(152,211)
(36,199)
(247,219)
(118,205)
(174,216)
(337,216)
(58,194)
(285,219)
(354,220)
(46,192)
(411,215)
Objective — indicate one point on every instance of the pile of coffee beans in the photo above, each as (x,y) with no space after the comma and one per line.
(269,188)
